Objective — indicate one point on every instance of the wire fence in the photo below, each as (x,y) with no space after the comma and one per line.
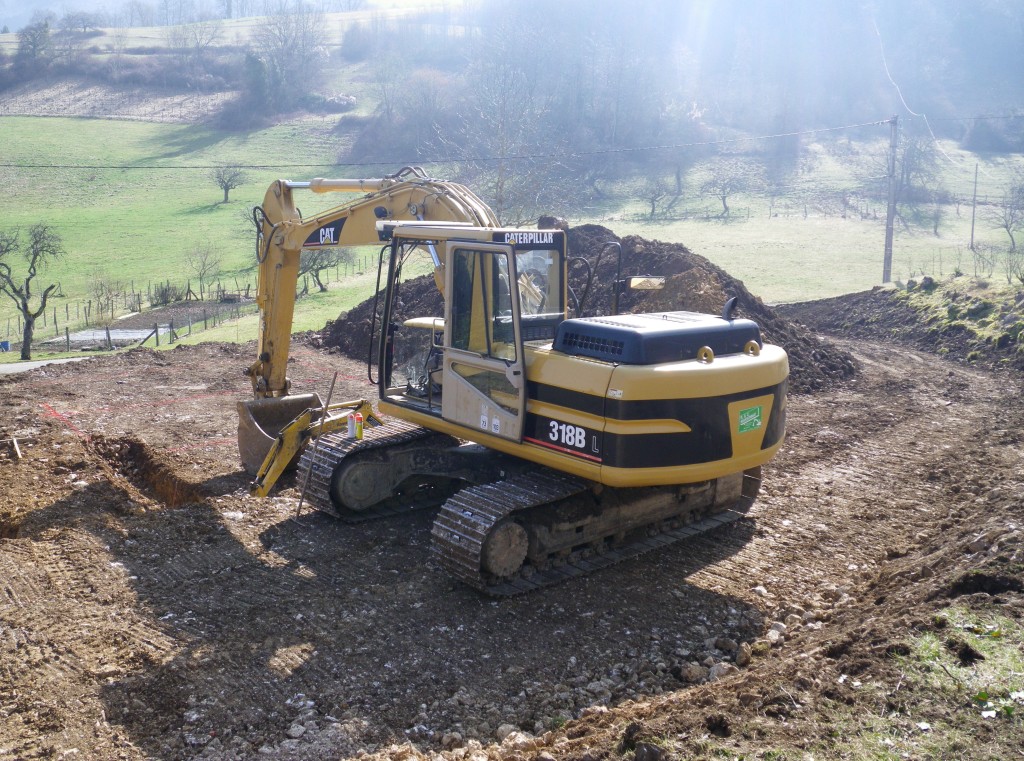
(97,322)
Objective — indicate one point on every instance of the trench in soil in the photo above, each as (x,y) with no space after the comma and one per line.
(129,461)
(10,528)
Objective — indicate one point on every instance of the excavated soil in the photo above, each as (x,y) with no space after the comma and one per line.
(149,608)
(693,284)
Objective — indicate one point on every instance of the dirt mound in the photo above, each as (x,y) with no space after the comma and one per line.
(943,319)
(694,284)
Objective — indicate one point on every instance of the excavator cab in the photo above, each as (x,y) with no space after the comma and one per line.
(503,290)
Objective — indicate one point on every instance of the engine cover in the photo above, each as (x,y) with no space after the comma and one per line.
(650,339)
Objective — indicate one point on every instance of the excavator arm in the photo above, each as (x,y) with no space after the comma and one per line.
(283,234)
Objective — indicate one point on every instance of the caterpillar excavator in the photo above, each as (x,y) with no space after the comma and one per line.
(554,444)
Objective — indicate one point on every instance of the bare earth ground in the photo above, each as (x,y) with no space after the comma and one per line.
(69,97)
(150,608)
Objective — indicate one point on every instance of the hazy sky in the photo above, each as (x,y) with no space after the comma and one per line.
(16,13)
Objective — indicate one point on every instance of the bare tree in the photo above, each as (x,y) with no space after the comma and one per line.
(35,47)
(652,190)
(228,178)
(287,56)
(1011,264)
(43,247)
(204,35)
(917,175)
(727,178)
(1008,213)
(204,262)
(317,260)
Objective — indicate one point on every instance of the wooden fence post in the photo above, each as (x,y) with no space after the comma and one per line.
(156,330)
(67,338)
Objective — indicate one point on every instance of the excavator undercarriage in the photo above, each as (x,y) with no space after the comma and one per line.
(506,526)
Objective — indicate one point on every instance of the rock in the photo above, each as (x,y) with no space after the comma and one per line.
(793,620)
(978,545)
(779,627)
(451,740)
(726,644)
(775,639)
(760,591)
(519,741)
(761,647)
(720,670)
(693,672)
(504,731)
(743,654)
(295,731)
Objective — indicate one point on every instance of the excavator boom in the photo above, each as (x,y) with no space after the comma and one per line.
(283,234)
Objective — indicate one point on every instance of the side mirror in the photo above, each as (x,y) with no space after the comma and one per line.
(645,283)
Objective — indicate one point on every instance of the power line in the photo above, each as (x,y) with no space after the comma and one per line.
(975,118)
(923,116)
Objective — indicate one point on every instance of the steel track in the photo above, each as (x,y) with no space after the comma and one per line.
(332,448)
(465,520)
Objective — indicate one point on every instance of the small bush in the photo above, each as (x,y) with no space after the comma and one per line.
(164,294)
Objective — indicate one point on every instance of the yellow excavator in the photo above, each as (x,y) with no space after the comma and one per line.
(554,444)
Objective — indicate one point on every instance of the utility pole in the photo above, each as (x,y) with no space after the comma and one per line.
(890,214)
(974,203)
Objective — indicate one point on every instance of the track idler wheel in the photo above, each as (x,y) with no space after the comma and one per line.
(505,549)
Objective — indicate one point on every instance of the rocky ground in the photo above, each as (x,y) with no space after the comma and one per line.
(149,608)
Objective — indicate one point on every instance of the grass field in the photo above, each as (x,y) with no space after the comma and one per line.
(792,257)
(145,200)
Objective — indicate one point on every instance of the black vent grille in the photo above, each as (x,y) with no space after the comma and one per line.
(593,345)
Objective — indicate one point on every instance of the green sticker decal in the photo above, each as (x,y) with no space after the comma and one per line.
(750,419)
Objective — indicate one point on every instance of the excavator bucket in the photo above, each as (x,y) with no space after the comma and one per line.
(261,420)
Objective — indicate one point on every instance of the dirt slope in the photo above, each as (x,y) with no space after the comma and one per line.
(150,609)
(955,318)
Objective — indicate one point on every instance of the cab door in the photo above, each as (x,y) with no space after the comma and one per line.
(484,380)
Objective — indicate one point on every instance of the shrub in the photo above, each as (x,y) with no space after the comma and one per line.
(164,294)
